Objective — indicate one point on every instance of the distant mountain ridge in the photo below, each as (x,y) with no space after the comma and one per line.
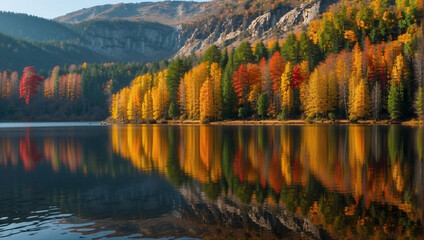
(16,54)
(169,12)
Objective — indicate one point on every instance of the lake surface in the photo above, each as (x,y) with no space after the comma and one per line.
(83,180)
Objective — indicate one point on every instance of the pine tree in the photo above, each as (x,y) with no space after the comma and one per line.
(212,55)
(176,71)
(228,94)
(290,49)
(243,55)
(419,103)
(263,104)
(260,51)
(395,100)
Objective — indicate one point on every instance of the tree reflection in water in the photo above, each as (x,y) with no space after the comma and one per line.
(353,181)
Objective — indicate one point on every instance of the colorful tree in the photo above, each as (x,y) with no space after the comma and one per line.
(206,101)
(215,78)
(241,83)
(29,84)
(286,89)
(361,103)
(147,106)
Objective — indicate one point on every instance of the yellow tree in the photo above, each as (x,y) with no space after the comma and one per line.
(123,104)
(194,80)
(114,106)
(343,72)
(361,103)
(303,89)
(134,102)
(317,95)
(400,71)
(286,89)
(206,101)
(215,77)
(160,96)
(147,106)
(355,77)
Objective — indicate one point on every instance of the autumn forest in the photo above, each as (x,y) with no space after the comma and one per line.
(359,61)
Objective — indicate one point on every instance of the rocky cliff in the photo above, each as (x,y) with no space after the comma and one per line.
(229,32)
(129,40)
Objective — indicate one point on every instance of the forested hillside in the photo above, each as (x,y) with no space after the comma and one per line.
(357,61)
(25,27)
(16,54)
(360,60)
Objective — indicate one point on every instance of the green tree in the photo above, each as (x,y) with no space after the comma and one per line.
(224,58)
(308,51)
(176,71)
(243,55)
(395,100)
(419,103)
(290,49)
(228,95)
(263,104)
(260,51)
(212,55)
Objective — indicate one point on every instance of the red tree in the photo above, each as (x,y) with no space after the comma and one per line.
(296,77)
(30,82)
(241,83)
(276,67)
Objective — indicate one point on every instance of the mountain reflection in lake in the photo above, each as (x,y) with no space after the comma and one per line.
(252,182)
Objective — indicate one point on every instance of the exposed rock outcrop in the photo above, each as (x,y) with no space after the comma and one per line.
(231,31)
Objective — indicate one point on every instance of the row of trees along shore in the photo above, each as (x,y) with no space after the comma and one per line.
(361,60)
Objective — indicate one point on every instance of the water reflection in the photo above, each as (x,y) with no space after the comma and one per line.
(351,181)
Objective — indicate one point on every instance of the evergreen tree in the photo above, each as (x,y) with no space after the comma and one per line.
(395,100)
(212,55)
(419,103)
(290,49)
(228,94)
(224,58)
(260,51)
(263,104)
(176,71)
(243,55)
(275,48)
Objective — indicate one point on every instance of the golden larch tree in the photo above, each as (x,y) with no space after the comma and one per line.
(206,100)
(286,89)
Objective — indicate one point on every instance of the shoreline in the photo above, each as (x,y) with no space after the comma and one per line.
(411,122)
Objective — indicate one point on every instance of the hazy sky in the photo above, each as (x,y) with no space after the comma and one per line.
(53,8)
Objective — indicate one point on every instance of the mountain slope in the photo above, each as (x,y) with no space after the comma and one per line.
(22,26)
(129,40)
(16,54)
(168,12)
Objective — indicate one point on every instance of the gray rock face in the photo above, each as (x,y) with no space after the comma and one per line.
(129,41)
(230,32)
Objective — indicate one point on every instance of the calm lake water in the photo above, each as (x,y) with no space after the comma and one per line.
(71,181)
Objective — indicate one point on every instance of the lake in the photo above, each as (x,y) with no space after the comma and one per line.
(84,180)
